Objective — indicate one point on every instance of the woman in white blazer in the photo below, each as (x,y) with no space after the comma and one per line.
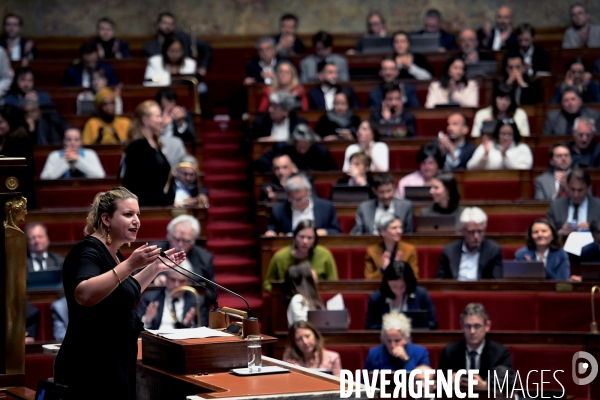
(72,161)
(503,106)
(172,61)
(453,87)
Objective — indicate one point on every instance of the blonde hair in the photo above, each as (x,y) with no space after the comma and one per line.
(136,128)
(295,82)
(397,321)
(105,202)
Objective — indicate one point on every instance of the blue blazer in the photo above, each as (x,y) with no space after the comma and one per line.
(419,300)
(590,253)
(73,75)
(325,217)
(410,97)
(379,358)
(557,264)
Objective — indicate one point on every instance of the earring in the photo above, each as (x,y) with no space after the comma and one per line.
(108,238)
(129,244)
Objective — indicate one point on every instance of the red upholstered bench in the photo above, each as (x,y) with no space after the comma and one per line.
(38,367)
(492,190)
(45,326)
(511,223)
(565,311)
(61,198)
(356,303)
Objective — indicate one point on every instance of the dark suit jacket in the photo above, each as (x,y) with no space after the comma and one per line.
(262,125)
(590,253)
(3,43)
(365,216)
(447,40)
(409,96)
(108,48)
(557,263)
(32,320)
(540,60)
(490,260)
(453,357)
(419,300)
(590,94)
(533,93)
(510,42)
(253,69)
(560,123)
(316,98)
(483,56)
(54,261)
(73,75)
(317,158)
(159,296)
(596,69)
(189,135)
(50,129)
(298,46)
(588,158)
(324,211)
(465,154)
(559,210)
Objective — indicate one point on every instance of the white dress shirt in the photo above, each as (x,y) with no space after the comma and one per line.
(478,350)
(469,264)
(268,68)
(527,59)
(167,320)
(298,215)
(497,45)
(329,94)
(36,264)
(15,54)
(582,212)
(281,132)
(379,212)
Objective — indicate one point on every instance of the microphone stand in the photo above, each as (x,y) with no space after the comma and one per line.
(594,326)
(202,284)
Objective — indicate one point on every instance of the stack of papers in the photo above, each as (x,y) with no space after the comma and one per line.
(192,333)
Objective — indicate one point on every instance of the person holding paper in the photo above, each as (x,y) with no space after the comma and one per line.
(299,287)
(97,359)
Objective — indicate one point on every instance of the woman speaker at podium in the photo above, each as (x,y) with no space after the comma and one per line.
(97,359)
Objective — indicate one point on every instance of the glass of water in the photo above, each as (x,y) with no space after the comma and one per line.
(254,353)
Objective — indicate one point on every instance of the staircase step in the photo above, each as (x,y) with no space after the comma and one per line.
(214,137)
(225,230)
(228,213)
(230,264)
(229,196)
(226,181)
(238,247)
(228,280)
(220,150)
(217,126)
(217,167)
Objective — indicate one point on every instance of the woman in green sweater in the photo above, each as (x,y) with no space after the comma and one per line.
(304,247)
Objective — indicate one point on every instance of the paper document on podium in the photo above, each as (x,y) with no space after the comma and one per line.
(192,333)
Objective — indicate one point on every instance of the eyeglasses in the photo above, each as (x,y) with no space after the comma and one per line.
(476,327)
(182,240)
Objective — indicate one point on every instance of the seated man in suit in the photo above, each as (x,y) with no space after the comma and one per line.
(473,257)
(584,150)
(389,73)
(17,47)
(38,256)
(475,351)
(261,69)
(453,145)
(164,309)
(287,43)
(581,33)
(575,211)
(561,122)
(182,233)
(431,26)
(469,45)
(23,86)
(302,205)
(552,184)
(282,169)
(188,190)
(501,35)
(528,90)
(392,120)
(591,252)
(108,45)
(80,74)
(323,44)
(60,318)
(321,97)
(370,211)
(45,127)
(537,60)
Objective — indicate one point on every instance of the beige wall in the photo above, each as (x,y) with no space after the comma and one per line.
(136,17)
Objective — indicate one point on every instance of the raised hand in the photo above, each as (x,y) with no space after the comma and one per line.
(385,259)
(189,317)
(143,256)
(151,311)
(400,352)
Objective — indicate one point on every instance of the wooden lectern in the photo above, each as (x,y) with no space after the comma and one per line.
(13,280)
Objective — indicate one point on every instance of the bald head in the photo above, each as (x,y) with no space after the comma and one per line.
(468,40)
(503,18)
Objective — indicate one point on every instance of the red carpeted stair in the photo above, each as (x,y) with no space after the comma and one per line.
(230,235)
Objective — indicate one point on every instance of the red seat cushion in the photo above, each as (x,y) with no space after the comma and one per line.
(356,304)
(492,190)
(351,357)
(512,223)
(565,311)
(38,367)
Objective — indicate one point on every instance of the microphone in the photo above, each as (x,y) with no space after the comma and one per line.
(163,255)
(202,284)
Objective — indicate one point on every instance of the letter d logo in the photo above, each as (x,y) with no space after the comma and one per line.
(583,367)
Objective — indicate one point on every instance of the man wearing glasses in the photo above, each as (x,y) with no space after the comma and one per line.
(475,351)
(301,205)
(182,233)
(473,257)
(582,33)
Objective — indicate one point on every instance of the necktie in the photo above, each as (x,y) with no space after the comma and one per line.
(575,212)
(473,359)
(40,261)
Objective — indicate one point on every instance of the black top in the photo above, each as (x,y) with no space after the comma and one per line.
(326,126)
(420,61)
(97,359)
(146,173)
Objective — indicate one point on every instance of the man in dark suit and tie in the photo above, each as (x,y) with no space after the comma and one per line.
(501,35)
(431,26)
(182,233)
(475,351)
(302,205)
(369,211)
(38,256)
(575,211)
(167,309)
(473,257)
(591,252)
(453,145)
(322,97)
(553,183)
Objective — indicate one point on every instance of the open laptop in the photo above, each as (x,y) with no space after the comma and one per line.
(46,278)
(328,320)
(86,107)
(436,224)
(376,44)
(349,194)
(482,68)
(424,43)
(590,271)
(514,269)
(419,319)
(417,193)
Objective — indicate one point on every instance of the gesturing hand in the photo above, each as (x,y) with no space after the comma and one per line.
(189,317)
(385,259)
(178,257)
(143,256)
(151,311)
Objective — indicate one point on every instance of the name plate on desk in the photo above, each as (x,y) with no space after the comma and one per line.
(190,356)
